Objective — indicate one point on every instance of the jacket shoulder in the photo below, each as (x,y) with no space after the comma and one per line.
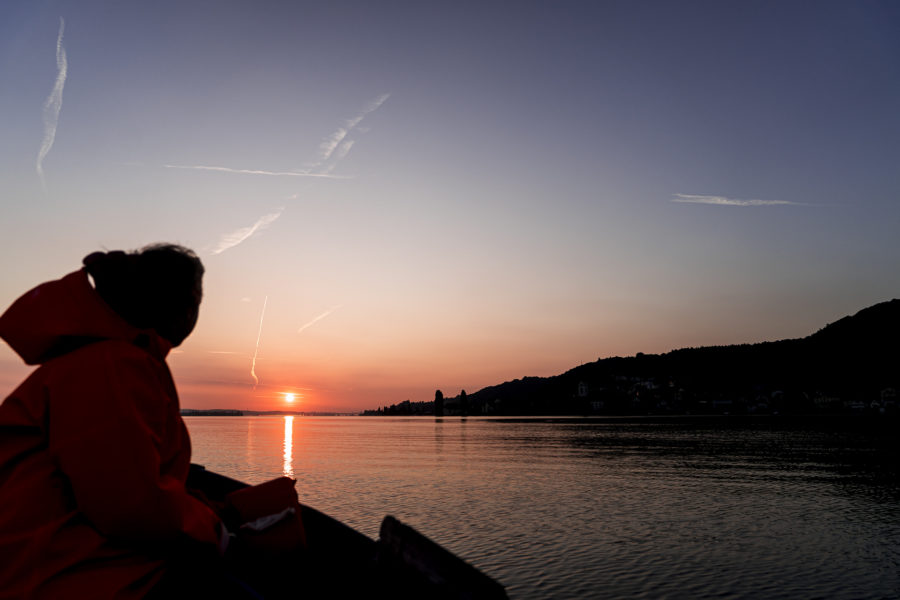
(108,349)
(106,360)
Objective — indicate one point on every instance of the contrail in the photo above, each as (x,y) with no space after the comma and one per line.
(335,144)
(319,318)
(256,171)
(230,240)
(255,352)
(53,104)
(328,146)
(344,149)
(723,201)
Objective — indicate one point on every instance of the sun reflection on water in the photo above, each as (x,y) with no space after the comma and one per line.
(288,468)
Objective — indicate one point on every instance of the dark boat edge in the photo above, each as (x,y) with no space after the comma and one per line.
(402,563)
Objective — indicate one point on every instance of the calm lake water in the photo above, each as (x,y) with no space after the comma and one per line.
(588,508)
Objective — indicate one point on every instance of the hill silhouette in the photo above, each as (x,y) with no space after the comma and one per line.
(851,365)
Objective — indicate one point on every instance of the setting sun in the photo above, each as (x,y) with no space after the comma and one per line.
(289,397)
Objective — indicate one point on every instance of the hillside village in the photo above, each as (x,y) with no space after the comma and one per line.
(851,366)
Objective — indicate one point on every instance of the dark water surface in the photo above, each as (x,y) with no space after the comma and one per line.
(588,508)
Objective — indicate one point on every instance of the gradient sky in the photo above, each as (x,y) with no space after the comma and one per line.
(450,195)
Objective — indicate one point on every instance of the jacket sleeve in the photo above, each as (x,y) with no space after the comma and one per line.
(107,430)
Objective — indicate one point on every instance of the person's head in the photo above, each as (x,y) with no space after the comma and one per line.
(158,287)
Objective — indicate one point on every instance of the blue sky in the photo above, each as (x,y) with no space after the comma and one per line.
(450,195)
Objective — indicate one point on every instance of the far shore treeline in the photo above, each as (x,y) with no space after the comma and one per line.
(851,366)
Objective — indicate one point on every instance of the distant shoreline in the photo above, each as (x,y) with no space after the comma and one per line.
(228,412)
(858,419)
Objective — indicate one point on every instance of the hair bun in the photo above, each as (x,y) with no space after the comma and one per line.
(105,262)
(92,258)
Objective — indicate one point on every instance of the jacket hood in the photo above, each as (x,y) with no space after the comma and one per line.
(62,315)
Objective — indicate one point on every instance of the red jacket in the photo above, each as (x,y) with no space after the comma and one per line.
(93,452)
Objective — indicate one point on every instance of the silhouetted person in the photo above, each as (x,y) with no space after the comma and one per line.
(93,451)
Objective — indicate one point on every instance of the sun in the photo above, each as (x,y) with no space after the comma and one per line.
(289,397)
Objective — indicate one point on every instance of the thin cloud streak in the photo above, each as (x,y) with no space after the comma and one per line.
(256,351)
(319,318)
(328,146)
(241,382)
(230,240)
(334,148)
(255,171)
(330,143)
(344,149)
(53,104)
(723,201)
